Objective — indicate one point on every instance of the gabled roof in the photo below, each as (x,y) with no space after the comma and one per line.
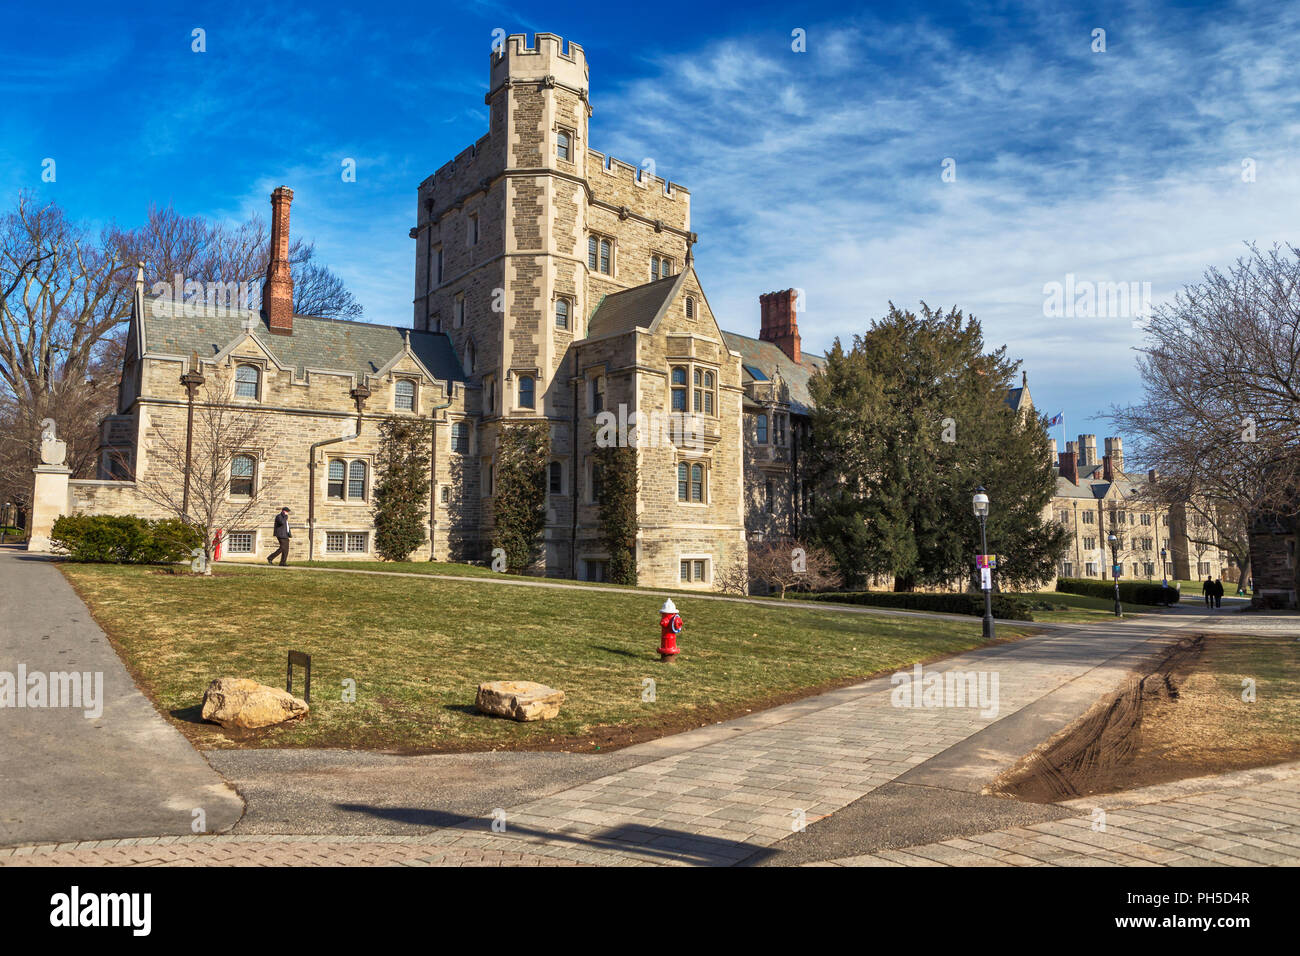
(637,307)
(335,345)
(768,358)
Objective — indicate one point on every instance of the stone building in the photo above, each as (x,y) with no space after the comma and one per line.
(552,283)
(1095,498)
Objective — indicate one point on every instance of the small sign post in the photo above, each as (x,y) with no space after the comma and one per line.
(303,661)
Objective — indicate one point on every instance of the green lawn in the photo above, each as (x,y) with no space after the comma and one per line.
(1081,608)
(417,651)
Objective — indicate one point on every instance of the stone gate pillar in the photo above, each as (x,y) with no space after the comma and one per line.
(50,495)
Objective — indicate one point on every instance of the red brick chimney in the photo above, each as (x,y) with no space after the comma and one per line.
(277,292)
(1070,466)
(778,323)
(1107,468)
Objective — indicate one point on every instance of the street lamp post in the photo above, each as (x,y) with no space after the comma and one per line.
(980,504)
(4,521)
(1114,561)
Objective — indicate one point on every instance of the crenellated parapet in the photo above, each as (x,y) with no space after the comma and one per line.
(547,60)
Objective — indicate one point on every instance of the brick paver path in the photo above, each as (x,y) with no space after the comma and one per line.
(1252,823)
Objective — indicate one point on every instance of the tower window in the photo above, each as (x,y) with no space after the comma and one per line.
(473,229)
(660,267)
(458,313)
(599,253)
(562,313)
(564,145)
(527,392)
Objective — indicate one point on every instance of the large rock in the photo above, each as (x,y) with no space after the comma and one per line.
(248,705)
(519,699)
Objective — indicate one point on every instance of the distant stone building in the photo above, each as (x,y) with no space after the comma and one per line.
(1273,548)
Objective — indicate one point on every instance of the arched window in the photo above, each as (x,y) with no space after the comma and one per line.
(357,480)
(683,481)
(679,388)
(561,313)
(708,393)
(469,357)
(761,426)
(527,392)
(697,483)
(247,378)
(690,307)
(404,395)
(604,256)
(598,254)
(337,471)
(242,468)
(563,144)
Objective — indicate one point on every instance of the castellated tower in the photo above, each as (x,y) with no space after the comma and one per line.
(521,236)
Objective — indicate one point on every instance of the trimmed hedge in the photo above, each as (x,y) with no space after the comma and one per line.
(1130,592)
(1004,607)
(124,539)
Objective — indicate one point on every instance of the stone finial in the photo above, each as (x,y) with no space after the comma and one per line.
(53,451)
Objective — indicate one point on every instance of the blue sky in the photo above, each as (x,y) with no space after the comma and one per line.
(820,170)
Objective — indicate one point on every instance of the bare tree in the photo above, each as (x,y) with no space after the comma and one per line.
(204,252)
(222,492)
(63,297)
(1219,420)
(792,565)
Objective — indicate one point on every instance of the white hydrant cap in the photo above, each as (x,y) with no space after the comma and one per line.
(669,607)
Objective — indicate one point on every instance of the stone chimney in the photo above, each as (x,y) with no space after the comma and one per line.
(1052,456)
(277,292)
(778,322)
(1070,465)
(1115,451)
(1107,468)
(1087,450)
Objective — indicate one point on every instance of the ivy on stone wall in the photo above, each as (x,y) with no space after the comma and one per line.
(519,507)
(401,496)
(618,521)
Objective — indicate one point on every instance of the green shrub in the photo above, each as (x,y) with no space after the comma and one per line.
(1131,592)
(124,539)
(1004,607)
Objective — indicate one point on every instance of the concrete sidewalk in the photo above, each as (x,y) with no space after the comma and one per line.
(65,776)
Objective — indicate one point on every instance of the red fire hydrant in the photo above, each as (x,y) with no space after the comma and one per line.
(670,622)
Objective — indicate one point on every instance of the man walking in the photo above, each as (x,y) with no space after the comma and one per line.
(282,535)
(1218,592)
(1207,589)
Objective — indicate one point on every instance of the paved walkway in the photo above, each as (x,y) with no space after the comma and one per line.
(67,776)
(737,791)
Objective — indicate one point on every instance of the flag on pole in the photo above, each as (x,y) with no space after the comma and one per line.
(1057,419)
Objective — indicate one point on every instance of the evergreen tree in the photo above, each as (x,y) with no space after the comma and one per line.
(519,508)
(908,421)
(401,496)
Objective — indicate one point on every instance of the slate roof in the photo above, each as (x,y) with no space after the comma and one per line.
(1093,486)
(769,358)
(361,348)
(632,308)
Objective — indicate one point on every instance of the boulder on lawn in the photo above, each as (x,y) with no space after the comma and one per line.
(519,699)
(248,705)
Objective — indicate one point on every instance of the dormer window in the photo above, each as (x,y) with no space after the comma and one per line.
(248,379)
(404,395)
